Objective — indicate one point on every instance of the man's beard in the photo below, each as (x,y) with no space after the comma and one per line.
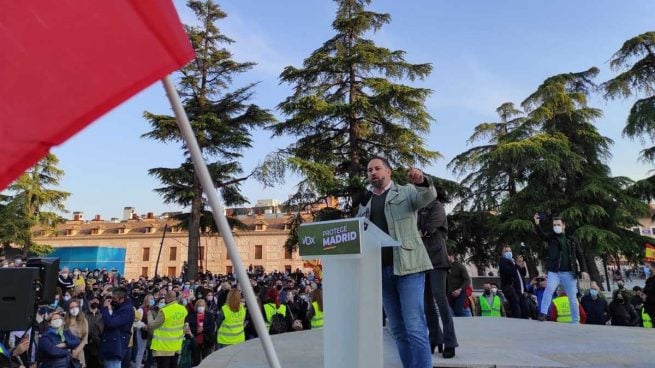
(377,183)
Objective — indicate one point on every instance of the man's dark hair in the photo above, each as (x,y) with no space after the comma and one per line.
(120,292)
(384,161)
(556,218)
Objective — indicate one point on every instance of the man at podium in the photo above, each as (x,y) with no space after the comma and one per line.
(393,208)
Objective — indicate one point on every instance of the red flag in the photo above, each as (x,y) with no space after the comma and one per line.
(65,63)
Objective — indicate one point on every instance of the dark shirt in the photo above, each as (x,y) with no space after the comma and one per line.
(565,260)
(378,218)
(597,310)
(457,278)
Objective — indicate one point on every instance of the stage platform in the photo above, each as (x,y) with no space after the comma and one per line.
(484,342)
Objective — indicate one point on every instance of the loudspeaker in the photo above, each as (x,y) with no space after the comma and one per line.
(48,274)
(17,297)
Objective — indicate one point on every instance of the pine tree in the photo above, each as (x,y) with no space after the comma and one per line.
(348,105)
(635,61)
(221,119)
(575,183)
(33,195)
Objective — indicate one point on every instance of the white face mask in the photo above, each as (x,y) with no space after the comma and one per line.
(67,297)
(57,323)
(75,312)
(201,310)
(39,318)
(494,290)
(162,305)
(557,229)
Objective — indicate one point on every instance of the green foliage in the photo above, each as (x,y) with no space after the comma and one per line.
(348,105)
(222,121)
(471,237)
(32,196)
(40,250)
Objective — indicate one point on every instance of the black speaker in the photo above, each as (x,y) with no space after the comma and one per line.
(48,274)
(17,297)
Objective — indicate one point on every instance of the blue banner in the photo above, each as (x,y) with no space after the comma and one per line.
(91,257)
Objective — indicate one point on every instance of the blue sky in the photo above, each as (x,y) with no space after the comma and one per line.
(484,53)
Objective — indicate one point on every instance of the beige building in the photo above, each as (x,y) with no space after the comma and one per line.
(262,245)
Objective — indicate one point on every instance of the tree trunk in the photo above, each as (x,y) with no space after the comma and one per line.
(194,231)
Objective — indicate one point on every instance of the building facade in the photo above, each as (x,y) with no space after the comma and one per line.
(261,245)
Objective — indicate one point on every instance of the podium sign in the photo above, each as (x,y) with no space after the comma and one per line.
(350,251)
(330,238)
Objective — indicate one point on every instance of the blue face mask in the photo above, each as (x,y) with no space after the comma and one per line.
(593,293)
(508,255)
(151,302)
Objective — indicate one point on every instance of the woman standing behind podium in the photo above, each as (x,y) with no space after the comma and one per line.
(433,226)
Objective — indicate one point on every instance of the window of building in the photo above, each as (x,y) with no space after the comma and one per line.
(258,252)
(175,229)
(287,268)
(259,227)
(95,231)
(201,252)
(171,272)
(287,254)
(173,254)
(121,230)
(228,269)
(144,271)
(146,255)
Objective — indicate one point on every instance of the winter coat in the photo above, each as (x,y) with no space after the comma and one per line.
(52,356)
(554,252)
(208,326)
(510,276)
(623,314)
(117,331)
(433,226)
(400,209)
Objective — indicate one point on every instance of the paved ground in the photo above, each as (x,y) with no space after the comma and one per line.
(484,342)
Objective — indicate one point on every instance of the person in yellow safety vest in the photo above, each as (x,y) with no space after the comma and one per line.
(168,332)
(489,303)
(272,306)
(646,321)
(560,309)
(315,311)
(231,320)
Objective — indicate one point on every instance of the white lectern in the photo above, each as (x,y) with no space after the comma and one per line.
(352,288)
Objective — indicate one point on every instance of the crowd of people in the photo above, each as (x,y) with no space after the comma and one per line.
(100,319)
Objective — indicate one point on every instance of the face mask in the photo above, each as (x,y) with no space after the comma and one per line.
(57,323)
(76,273)
(162,305)
(75,312)
(620,301)
(18,262)
(508,255)
(94,305)
(151,302)
(494,290)
(64,275)
(278,287)
(621,286)
(201,310)
(67,297)
(557,229)
(184,302)
(39,318)
(487,291)
(114,304)
(593,293)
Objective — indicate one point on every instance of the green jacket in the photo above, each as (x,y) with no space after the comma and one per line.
(400,210)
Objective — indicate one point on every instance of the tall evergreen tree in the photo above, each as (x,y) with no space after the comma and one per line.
(221,119)
(489,174)
(635,62)
(348,105)
(576,182)
(33,195)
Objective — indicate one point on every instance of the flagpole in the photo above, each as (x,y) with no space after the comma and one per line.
(215,203)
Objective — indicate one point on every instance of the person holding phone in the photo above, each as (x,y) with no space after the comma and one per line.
(565,263)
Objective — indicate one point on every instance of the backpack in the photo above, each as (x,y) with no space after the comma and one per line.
(278,324)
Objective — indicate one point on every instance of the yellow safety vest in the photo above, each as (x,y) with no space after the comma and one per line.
(231,331)
(317,320)
(169,336)
(270,311)
(563,309)
(645,317)
(494,310)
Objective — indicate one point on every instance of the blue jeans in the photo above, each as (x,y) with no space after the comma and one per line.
(402,297)
(457,306)
(113,363)
(570,285)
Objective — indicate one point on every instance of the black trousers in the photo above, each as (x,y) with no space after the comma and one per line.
(167,361)
(435,290)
